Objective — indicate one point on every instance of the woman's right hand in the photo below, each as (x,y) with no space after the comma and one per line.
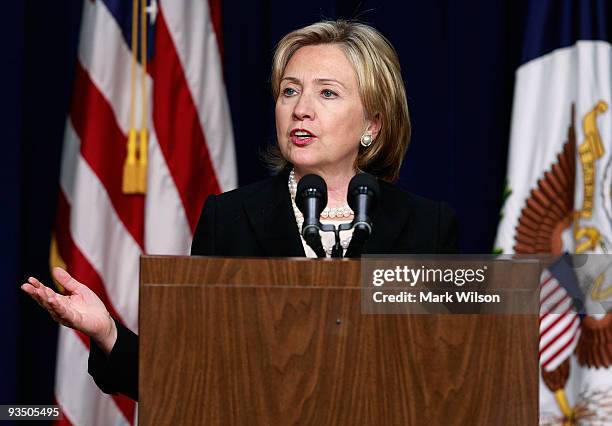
(80,308)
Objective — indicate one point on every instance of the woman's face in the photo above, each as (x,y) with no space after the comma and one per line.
(319,114)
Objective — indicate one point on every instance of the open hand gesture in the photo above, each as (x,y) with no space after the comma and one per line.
(80,308)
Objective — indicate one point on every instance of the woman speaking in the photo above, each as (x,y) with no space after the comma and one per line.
(340,110)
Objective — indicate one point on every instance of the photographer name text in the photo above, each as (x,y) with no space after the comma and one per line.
(411,277)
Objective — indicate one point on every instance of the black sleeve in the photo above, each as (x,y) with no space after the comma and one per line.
(204,236)
(116,372)
(448,230)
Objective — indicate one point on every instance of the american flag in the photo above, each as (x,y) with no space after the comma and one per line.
(100,231)
(559,317)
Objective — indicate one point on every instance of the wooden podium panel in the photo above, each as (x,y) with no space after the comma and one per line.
(283,341)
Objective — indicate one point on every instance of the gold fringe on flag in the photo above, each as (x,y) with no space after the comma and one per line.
(135,166)
(56,260)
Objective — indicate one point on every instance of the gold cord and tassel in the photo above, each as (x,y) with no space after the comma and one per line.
(55,259)
(135,166)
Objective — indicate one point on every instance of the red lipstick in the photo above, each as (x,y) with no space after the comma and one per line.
(301,137)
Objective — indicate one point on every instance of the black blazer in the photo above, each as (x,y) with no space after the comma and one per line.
(257,221)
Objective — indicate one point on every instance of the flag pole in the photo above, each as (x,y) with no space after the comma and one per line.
(144,134)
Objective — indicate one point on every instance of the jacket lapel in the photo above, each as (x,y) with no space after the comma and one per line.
(272,219)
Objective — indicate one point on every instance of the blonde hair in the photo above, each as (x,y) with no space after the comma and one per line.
(380,84)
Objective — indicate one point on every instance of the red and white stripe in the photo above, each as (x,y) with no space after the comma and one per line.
(101,232)
(559,323)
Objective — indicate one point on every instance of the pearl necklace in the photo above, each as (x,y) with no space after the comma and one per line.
(334,212)
(327,213)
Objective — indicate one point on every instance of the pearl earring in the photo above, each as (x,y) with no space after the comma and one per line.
(366,140)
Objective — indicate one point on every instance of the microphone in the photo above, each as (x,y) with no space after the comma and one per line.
(311,199)
(362,196)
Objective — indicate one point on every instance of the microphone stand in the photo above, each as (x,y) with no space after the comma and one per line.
(337,251)
(337,248)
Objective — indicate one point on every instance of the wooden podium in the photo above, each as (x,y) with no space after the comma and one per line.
(234,341)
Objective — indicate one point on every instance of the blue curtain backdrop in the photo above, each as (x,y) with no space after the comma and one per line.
(10,200)
(458,61)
